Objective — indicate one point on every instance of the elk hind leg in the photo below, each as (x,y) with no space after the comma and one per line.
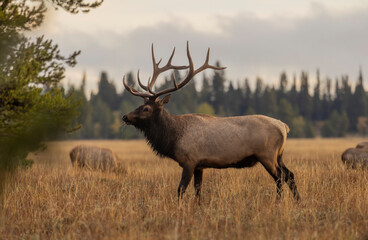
(289,179)
(275,171)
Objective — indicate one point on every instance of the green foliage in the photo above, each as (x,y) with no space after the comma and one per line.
(107,92)
(206,108)
(297,127)
(309,130)
(336,125)
(33,108)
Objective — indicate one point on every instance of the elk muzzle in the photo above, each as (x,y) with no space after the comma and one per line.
(126,120)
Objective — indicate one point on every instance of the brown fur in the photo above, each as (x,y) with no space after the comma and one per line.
(355,158)
(93,157)
(363,146)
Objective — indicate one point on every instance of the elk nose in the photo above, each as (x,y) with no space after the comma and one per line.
(125,118)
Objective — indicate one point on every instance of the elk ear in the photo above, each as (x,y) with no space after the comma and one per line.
(165,100)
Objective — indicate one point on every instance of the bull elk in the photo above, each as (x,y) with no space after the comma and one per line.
(198,141)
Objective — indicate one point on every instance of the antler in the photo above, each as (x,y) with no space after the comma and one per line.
(157,71)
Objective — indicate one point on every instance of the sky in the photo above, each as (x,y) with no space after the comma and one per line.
(251,38)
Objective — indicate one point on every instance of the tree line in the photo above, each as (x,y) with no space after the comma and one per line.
(327,108)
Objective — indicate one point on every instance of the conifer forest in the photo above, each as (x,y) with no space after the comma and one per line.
(325,108)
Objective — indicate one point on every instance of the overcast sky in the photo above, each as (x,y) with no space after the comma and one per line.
(251,38)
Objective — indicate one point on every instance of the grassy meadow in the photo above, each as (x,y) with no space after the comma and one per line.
(52,200)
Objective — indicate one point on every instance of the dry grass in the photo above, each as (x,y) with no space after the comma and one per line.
(54,201)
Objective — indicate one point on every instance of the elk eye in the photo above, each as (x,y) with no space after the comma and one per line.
(145,109)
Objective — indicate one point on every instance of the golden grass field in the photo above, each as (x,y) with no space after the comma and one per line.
(52,200)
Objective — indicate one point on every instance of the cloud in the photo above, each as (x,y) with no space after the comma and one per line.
(248,45)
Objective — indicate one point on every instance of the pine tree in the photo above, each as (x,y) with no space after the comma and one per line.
(85,110)
(293,95)
(269,102)
(305,101)
(247,97)
(206,90)
(258,92)
(317,115)
(359,103)
(233,101)
(107,92)
(218,87)
(281,92)
(33,107)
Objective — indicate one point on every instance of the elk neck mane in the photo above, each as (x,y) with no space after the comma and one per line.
(163,133)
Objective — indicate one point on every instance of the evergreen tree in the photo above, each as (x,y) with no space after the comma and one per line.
(258,92)
(358,104)
(205,93)
(286,112)
(317,107)
(347,98)
(247,97)
(336,125)
(281,92)
(337,102)
(33,107)
(107,92)
(102,119)
(305,101)
(293,95)
(233,101)
(85,110)
(269,102)
(218,87)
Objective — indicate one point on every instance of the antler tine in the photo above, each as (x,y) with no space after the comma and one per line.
(140,83)
(191,72)
(206,65)
(153,56)
(133,91)
(174,80)
(171,57)
(157,70)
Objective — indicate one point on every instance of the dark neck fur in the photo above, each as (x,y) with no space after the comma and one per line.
(163,133)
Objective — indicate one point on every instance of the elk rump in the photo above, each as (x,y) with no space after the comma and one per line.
(93,157)
(355,158)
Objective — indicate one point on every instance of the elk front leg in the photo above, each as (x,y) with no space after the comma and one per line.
(198,173)
(186,176)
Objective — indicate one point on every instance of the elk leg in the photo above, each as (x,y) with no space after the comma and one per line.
(186,176)
(275,172)
(289,179)
(198,173)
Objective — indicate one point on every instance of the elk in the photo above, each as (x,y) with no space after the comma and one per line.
(93,157)
(355,158)
(198,141)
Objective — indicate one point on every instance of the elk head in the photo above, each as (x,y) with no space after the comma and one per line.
(152,104)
